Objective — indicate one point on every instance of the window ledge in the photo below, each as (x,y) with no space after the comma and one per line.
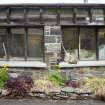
(37,64)
(82,64)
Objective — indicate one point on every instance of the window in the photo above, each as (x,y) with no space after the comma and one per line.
(70,40)
(66,15)
(82,15)
(101,39)
(33,15)
(3,44)
(97,15)
(35,37)
(3,16)
(16,44)
(17,15)
(49,16)
(15,49)
(87,44)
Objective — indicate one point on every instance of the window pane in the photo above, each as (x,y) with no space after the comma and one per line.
(87,44)
(70,40)
(33,15)
(3,22)
(16,45)
(3,43)
(17,15)
(98,15)
(35,36)
(101,39)
(49,16)
(82,15)
(3,16)
(66,15)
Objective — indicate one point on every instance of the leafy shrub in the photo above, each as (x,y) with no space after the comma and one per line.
(4,76)
(56,77)
(19,86)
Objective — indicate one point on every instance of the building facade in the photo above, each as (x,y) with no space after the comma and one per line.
(35,32)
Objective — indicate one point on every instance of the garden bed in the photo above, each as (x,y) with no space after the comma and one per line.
(51,86)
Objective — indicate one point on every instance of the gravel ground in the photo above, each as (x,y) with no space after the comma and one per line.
(48,102)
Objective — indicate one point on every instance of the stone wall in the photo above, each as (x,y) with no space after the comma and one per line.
(74,73)
(35,73)
(79,73)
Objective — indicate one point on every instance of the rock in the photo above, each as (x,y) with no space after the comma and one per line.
(4,92)
(39,94)
(74,96)
(67,89)
(82,91)
(14,75)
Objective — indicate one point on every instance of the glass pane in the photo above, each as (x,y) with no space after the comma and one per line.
(70,40)
(3,14)
(82,15)
(33,15)
(3,22)
(3,43)
(66,15)
(101,39)
(98,15)
(49,16)
(87,44)
(16,45)
(35,36)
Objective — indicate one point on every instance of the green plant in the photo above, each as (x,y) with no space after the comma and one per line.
(56,77)
(4,76)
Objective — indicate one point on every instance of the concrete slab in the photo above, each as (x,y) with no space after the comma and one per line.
(24,64)
(82,64)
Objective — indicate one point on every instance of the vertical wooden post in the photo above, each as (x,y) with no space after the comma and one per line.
(25,34)
(8,32)
(97,43)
